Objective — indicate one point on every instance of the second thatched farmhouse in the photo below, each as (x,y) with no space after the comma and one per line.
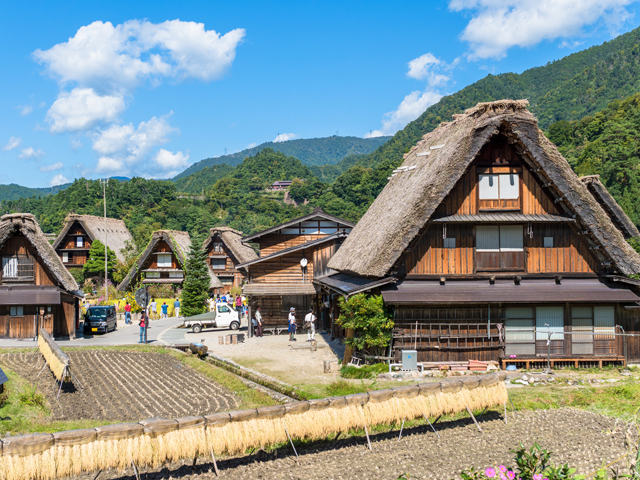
(495,250)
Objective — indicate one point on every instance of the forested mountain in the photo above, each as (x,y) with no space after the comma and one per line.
(310,151)
(202,180)
(607,144)
(13,191)
(568,89)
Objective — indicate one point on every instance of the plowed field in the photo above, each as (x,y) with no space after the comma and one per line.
(124,386)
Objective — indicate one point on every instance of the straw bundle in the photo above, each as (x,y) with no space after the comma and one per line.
(156,441)
(55,358)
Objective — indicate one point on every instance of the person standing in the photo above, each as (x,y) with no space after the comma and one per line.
(153,308)
(143,325)
(127,314)
(239,306)
(292,324)
(310,324)
(165,309)
(258,322)
(176,307)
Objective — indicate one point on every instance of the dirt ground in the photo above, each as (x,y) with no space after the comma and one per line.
(124,386)
(582,439)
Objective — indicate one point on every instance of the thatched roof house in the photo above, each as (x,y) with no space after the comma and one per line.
(114,235)
(609,204)
(26,224)
(233,240)
(225,251)
(432,168)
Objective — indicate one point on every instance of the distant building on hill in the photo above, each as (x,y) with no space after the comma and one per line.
(281,185)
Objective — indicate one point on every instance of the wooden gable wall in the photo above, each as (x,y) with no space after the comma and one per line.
(69,241)
(20,245)
(274,243)
(570,253)
(161,247)
(229,264)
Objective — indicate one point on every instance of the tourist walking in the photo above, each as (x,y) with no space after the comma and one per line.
(154,309)
(258,320)
(292,324)
(176,307)
(165,310)
(127,314)
(310,325)
(239,306)
(143,325)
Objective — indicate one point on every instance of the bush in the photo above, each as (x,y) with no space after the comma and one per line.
(88,286)
(161,290)
(367,371)
(78,275)
(29,397)
(370,321)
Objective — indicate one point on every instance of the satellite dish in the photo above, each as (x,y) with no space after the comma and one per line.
(142,297)
(303,262)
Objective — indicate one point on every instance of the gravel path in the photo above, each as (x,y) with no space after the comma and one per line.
(582,439)
(124,386)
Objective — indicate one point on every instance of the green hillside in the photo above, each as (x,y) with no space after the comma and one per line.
(13,191)
(310,151)
(202,180)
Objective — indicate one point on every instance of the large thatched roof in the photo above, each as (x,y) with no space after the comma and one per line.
(179,242)
(26,224)
(115,235)
(232,239)
(606,201)
(433,167)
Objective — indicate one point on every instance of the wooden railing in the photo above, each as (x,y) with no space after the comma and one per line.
(448,335)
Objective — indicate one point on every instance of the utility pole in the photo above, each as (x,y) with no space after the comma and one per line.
(104,183)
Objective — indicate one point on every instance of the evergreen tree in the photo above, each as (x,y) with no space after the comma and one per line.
(195,290)
(95,262)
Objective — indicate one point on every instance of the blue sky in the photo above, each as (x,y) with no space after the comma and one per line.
(146,88)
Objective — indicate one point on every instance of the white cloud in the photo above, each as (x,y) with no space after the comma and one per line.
(111,58)
(25,109)
(283,137)
(130,144)
(412,106)
(110,165)
(31,153)
(498,25)
(58,180)
(83,108)
(76,144)
(14,142)
(252,144)
(51,168)
(169,160)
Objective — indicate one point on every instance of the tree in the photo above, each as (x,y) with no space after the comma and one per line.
(195,290)
(369,320)
(95,262)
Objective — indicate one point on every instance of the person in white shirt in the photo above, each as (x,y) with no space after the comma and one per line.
(154,309)
(257,322)
(310,324)
(292,324)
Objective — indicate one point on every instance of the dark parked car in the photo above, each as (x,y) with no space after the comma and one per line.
(100,319)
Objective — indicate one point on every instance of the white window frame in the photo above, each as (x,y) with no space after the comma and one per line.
(65,257)
(217,263)
(490,238)
(499,186)
(163,257)
(79,242)
(488,188)
(10,267)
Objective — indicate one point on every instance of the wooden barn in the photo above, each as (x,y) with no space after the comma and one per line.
(36,290)
(292,256)
(492,247)
(225,251)
(161,262)
(79,232)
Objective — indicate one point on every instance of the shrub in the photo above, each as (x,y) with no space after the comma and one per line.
(78,275)
(161,290)
(28,396)
(88,286)
(367,371)
(369,319)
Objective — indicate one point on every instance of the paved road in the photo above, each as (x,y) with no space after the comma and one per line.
(124,335)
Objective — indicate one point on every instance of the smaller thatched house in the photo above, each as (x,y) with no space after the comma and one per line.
(163,261)
(609,204)
(79,232)
(225,250)
(36,290)
(499,250)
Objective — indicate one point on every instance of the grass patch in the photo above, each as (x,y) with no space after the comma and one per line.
(366,371)
(29,397)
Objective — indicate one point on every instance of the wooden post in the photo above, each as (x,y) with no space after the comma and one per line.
(220,339)
(327,366)
(368,441)
(215,464)
(234,339)
(348,353)
(505,414)
(474,420)
(292,445)
(401,427)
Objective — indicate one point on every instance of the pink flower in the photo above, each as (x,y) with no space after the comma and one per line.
(511,475)
(537,476)
(490,472)
(502,468)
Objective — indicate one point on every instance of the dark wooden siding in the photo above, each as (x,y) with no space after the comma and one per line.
(19,245)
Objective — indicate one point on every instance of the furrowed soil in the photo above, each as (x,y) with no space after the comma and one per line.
(582,439)
(123,386)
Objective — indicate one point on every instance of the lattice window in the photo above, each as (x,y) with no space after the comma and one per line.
(17,267)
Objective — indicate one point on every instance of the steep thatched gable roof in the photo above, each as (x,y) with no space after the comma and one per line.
(606,201)
(232,239)
(179,242)
(27,225)
(433,167)
(115,235)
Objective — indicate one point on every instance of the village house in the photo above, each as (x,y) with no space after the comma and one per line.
(225,251)
(36,290)
(490,247)
(292,256)
(79,232)
(162,261)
